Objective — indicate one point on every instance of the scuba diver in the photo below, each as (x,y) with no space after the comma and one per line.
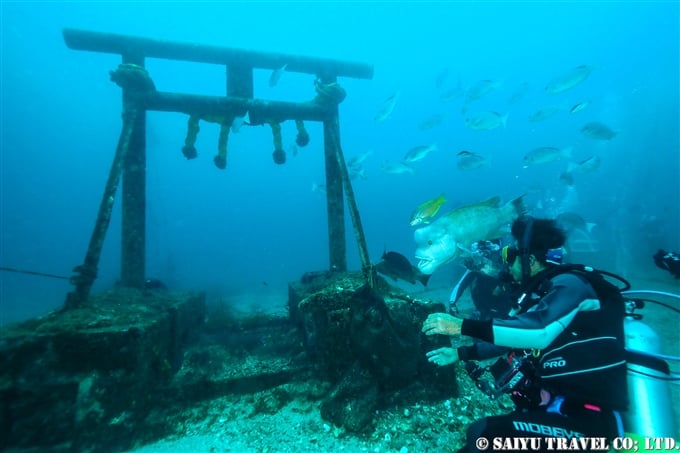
(669,261)
(489,286)
(566,370)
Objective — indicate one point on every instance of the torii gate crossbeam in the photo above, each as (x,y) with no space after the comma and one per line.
(140,95)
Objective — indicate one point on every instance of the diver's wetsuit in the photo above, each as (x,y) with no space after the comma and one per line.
(489,295)
(491,300)
(580,379)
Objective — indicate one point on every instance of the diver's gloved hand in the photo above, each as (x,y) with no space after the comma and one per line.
(443,356)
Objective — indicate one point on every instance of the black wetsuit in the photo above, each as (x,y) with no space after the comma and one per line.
(580,365)
(491,300)
(489,295)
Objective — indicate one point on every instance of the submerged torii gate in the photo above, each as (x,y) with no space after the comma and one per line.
(140,95)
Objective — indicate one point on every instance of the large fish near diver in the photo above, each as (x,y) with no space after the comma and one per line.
(398,267)
(444,239)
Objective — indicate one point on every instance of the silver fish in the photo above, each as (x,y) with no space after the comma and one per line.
(433,121)
(579,232)
(568,80)
(471,161)
(570,221)
(588,165)
(355,165)
(546,154)
(358,160)
(598,131)
(542,114)
(485,121)
(239,121)
(387,108)
(418,153)
(481,89)
(355,173)
(396,168)
(578,107)
(276,75)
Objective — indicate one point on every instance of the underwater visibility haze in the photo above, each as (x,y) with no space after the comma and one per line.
(572,104)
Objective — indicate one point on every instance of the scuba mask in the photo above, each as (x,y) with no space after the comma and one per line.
(509,254)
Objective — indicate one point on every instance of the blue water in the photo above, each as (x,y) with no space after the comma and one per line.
(259,225)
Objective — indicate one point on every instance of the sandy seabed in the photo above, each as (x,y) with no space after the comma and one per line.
(224,425)
(227,424)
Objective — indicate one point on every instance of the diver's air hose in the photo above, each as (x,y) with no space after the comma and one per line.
(649,291)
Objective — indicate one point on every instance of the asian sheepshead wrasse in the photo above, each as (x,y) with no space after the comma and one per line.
(425,211)
(443,240)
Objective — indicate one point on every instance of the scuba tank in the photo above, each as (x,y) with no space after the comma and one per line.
(650,412)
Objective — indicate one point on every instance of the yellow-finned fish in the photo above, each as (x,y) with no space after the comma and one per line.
(425,211)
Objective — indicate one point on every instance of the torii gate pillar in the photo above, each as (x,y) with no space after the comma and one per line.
(133,240)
